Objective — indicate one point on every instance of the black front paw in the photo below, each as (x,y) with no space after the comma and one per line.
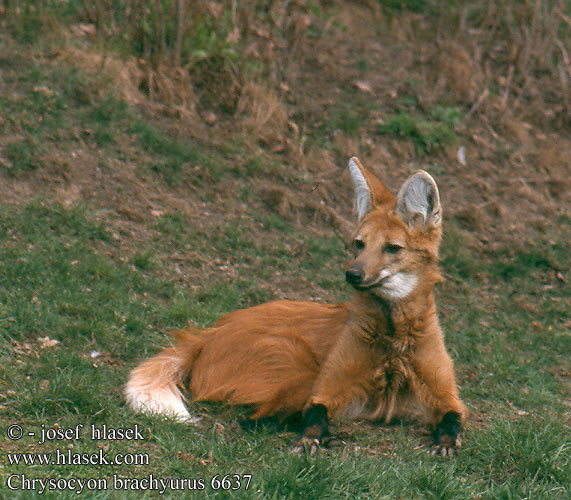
(447,435)
(315,430)
(312,445)
(306,445)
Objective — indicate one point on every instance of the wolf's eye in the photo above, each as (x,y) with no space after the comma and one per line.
(358,244)
(392,249)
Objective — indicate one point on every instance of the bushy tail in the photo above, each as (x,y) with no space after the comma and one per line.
(153,386)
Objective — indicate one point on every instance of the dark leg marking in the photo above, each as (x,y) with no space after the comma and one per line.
(447,434)
(316,423)
(316,427)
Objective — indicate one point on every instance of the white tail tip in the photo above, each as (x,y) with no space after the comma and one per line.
(158,401)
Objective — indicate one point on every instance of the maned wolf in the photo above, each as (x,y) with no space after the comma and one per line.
(377,357)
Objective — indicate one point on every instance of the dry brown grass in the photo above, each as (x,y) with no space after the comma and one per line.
(504,58)
(215,59)
(262,114)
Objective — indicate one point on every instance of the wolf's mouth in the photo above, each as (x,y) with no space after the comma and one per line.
(368,285)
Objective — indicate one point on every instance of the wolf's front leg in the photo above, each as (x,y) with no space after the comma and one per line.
(439,392)
(340,389)
(315,429)
(446,435)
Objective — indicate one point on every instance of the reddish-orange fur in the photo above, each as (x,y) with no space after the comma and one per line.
(370,358)
(266,356)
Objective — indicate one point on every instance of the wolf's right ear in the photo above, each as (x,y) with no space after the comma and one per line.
(418,201)
(369,190)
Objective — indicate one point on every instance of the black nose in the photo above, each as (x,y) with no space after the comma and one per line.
(354,276)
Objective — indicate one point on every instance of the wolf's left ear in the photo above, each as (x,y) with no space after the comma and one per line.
(369,190)
(418,201)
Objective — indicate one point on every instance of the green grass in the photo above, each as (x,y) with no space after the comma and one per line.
(427,135)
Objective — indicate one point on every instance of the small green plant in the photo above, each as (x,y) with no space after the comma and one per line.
(426,6)
(157,142)
(170,155)
(109,110)
(144,260)
(364,64)
(24,155)
(448,115)
(209,40)
(426,135)
(349,122)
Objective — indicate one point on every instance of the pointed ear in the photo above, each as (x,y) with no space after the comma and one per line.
(418,201)
(369,190)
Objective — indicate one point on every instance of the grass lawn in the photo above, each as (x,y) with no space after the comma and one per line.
(75,318)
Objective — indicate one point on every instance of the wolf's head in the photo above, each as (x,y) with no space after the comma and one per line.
(397,238)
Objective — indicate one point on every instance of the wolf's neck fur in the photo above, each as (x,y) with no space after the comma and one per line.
(377,319)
